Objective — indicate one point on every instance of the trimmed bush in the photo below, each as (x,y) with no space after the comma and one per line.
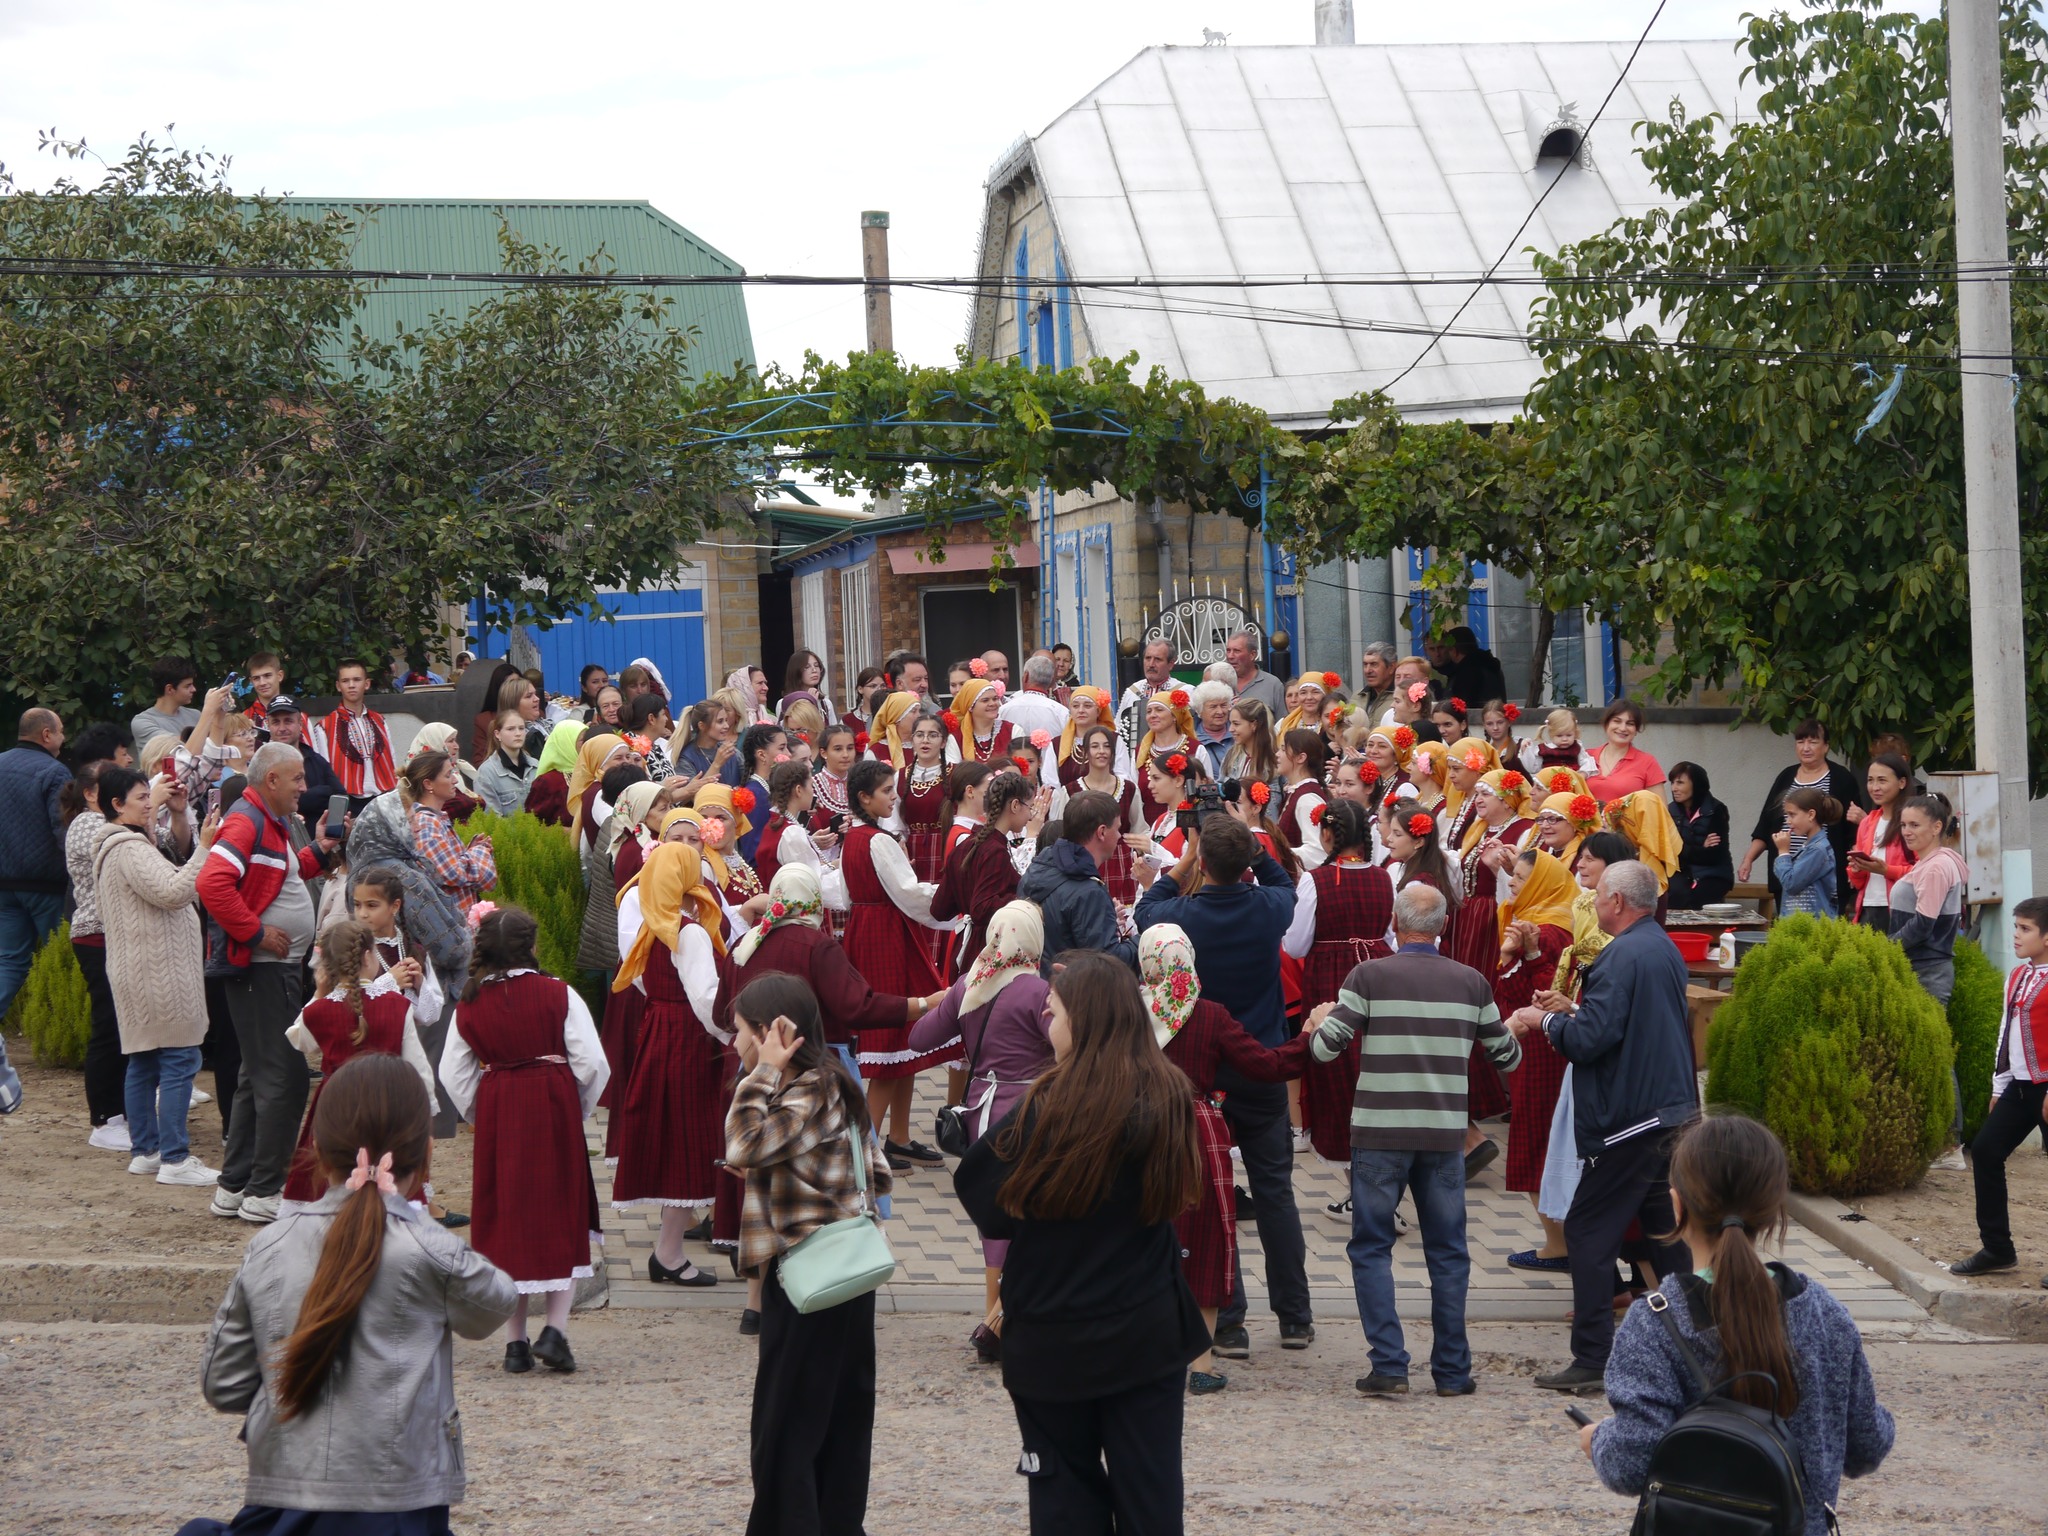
(1829,1041)
(538,870)
(1974,1011)
(53,1007)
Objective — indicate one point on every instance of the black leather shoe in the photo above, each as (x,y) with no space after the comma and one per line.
(1579,1380)
(750,1323)
(1377,1385)
(551,1349)
(1984,1262)
(916,1152)
(452,1219)
(988,1344)
(700,1233)
(688,1274)
(1465,1391)
(518,1357)
(1233,1342)
(1297,1335)
(1481,1158)
(1245,1210)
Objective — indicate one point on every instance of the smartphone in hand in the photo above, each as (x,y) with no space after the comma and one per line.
(337,812)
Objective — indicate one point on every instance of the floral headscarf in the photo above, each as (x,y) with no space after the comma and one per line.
(1166,961)
(793,897)
(1016,943)
(627,815)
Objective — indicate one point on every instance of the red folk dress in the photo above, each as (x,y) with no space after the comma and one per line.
(1475,941)
(921,809)
(672,1114)
(534,1204)
(1533,1087)
(332,1024)
(767,852)
(889,950)
(1354,906)
(619,1029)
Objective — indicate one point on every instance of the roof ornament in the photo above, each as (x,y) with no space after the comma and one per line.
(1563,136)
(1214,39)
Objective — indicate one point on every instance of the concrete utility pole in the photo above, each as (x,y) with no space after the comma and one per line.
(1990,479)
(874,266)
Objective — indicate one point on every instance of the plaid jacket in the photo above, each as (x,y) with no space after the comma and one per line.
(789,1137)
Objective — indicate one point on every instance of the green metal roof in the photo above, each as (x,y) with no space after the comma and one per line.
(461,235)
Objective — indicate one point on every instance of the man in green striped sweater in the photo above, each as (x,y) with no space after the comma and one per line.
(1415,1014)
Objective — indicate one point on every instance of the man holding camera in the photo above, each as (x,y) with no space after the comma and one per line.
(1066,882)
(1236,929)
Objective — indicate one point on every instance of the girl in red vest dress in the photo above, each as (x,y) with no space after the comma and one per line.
(1300,756)
(889,911)
(525,1067)
(1342,911)
(923,816)
(351,1017)
(672,1131)
(1099,744)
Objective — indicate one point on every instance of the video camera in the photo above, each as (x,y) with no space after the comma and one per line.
(1206,800)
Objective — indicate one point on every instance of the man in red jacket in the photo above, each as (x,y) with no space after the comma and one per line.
(254,888)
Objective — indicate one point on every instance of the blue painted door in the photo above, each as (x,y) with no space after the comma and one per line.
(663,624)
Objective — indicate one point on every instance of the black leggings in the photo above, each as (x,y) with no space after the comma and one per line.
(106,1072)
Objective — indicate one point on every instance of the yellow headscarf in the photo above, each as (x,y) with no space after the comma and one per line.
(1588,939)
(963,714)
(675,814)
(1395,736)
(718,797)
(672,891)
(1071,730)
(1183,719)
(1439,757)
(883,731)
(1641,817)
(1299,718)
(1458,752)
(1545,781)
(1545,898)
(1568,806)
(1511,788)
(590,760)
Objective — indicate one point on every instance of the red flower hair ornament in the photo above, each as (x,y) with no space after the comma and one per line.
(1417,692)
(1022,762)
(1332,682)
(1475,761)
(950,721)
(1335,717)
(1512,711)
(1260,792)
(1512,782)
(1404,739)
(1560,781)
(1177,764)
(1178,698)
(1458,705)
(860,741)
(1315,813)
(743,800)
(1368,773)
(1041,739)
(1585,808)
(1421,824)
(977,668)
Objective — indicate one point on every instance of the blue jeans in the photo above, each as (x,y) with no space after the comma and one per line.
(1437,1181)
(27,919)
(159,1093)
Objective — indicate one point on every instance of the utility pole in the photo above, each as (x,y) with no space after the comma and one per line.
(874,266)
(1990,480)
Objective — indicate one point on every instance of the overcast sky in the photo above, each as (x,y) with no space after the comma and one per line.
(764,127)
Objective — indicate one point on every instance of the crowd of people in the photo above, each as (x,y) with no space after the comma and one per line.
(1159,947)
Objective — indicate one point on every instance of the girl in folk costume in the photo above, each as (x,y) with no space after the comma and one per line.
(1343,910)
(1300,758)
(1199,1036)
(1450,719)
(1086,707)
(586,785)
(985,865)
(1564,822)
(525,1068)
(1429,770)
(1497,729)
(978,735)
(967,789)
(625,841)
(1169,729)
(1170,781)
(1028,760)
(1470,760)
(787,839)
(723,812)
(1535,931)
(379,905)
(889,909)
(672,1113)
(924,815)
(1101,777)
(838,750)
(359,1011)
(889,735)
(1250,759)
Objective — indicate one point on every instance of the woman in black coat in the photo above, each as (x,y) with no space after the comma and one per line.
(1811,769)
(1706,865)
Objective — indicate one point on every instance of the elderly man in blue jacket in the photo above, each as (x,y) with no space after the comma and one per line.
(1633,1083)
(1236,928)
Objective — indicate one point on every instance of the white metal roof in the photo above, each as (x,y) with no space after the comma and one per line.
(1325,162)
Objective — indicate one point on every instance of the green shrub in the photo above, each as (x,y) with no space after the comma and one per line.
(1829,1040)
(53,1007)
(538,870)
(1974,1011)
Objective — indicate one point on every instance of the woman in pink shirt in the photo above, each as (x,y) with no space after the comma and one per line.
(1623,767)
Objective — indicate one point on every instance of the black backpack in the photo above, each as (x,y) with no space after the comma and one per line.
(1724,1467)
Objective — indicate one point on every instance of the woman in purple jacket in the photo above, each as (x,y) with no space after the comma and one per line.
(998,1012)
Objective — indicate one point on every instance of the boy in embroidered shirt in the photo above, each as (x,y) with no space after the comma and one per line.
(2019,1088)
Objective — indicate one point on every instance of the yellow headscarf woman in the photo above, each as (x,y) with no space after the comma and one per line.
(679,813)
(1641,817)
(718,798)
(1400,739)
(1562,781)
(592,758)
(1183,720)
(672,892)
(1307,714)
(886,729)
(1100,698)
(962,711)
(1579,812)
(1438,757)
(1545,897)
(1473,756)
(1511,788)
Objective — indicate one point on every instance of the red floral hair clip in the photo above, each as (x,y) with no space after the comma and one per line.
(1512,782)
(1404,739)
(1335,717)
(1421,824)
(1458,705)
(950,721)
(1177,764)
(1315,813)
(1260,792)
(1368,772)
(1023,763)
(860,741)
(1585,808)
(1475,761)
(1332,682)
(1512,711)
(1560,781)
(743,800)
(1178,698)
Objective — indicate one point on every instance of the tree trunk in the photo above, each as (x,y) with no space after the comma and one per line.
(1539,653)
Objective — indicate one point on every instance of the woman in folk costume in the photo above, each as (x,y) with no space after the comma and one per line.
(1564,823)
(1390,749)
(978,736)
(1343,911)
(1169,729)
(1200,1036)
(788,839)
(1644,819)
(1310,696)
(613,857)
(1470,760)
(1102,778)
(1067,759)
(1300,757)
(1429,770)
(1535,931)
(723,813)
(525,1068)
(547,797)
(359,1011)
(672,1113)
(1562,781)
(924,814)
(889,911)
(1170,782)
(986,863)
(889,735)
(586,785)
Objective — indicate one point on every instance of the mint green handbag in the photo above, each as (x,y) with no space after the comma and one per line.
(842,1259)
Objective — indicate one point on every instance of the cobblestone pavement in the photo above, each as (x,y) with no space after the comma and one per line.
(939,1256)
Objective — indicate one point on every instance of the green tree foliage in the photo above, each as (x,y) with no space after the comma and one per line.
(537,870)
(1829,1040)
(208,464)
(1733,524)
(1974,1011)
(53,1007)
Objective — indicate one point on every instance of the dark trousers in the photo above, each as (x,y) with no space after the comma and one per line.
(813,1425)
(1625,1183)
(1105,1464)
(106,1074)
(1257,1114)
(2015,1117)
(271,1096)
(223,1051)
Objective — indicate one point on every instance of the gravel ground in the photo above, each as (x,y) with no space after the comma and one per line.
(102,1430)
(1939,1216)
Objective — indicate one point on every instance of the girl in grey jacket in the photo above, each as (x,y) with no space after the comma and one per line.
(335,1338)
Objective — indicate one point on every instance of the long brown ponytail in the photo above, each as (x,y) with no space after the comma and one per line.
(1730,1173)
(374,1104)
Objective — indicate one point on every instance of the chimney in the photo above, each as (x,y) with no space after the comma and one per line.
(874,261)
(1333,24)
